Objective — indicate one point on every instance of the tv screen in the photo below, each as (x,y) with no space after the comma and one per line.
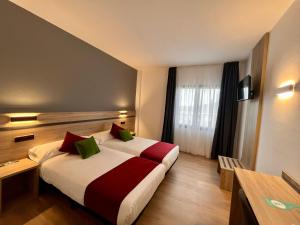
(244,89)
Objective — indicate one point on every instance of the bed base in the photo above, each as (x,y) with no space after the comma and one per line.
(44,186)
(172,165)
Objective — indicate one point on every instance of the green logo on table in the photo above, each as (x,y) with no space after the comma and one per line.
(281,205)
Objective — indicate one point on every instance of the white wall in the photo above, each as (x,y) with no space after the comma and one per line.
(279,145)
(150,107)
(240,119)
(138,101)
(245,69)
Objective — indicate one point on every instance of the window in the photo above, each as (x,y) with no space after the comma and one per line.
(198,105)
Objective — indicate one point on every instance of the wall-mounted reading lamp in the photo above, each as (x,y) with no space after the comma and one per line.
(123,113)
(286,89)
(22,118)
(17,119)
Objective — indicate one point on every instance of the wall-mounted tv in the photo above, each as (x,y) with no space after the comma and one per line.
(244,89)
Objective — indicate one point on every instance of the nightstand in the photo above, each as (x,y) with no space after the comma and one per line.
(23,167)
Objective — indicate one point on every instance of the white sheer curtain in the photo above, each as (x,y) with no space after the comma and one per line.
(196,107)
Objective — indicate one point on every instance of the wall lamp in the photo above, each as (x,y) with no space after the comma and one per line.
(286,89)
(123,113)
(22,117)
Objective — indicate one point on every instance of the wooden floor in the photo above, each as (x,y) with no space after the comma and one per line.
(189,195)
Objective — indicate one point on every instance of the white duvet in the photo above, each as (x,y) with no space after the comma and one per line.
(138,145)
(71,175)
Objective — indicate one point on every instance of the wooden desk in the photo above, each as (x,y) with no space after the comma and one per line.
(19,167)
(258,187)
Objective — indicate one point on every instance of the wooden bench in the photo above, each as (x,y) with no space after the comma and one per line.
(226,170)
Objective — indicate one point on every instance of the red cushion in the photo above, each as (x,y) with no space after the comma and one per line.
(115,131)
(68,144)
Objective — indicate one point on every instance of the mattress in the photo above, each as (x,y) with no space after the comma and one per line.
(138,145)
(71,175)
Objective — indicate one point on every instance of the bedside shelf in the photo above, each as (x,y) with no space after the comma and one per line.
(18,168)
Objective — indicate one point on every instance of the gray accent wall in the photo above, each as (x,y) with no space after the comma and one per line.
(45,69)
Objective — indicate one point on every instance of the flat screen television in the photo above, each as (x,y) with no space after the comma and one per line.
(244,89)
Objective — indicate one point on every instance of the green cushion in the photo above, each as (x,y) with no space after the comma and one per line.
(86,148)
(125,135)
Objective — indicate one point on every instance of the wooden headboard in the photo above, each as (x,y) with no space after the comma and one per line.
(52,127)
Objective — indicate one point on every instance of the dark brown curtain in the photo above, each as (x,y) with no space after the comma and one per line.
(168,128)
(227,113)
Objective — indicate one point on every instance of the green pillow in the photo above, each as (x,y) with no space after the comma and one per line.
(86,148)
(125,135)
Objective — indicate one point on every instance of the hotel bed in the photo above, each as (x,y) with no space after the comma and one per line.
(137,146)
(73,176)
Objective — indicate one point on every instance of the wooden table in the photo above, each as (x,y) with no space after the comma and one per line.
(19,167)
(259,187)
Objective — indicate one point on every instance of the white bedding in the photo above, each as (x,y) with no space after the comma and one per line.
(71,175)
(138,145)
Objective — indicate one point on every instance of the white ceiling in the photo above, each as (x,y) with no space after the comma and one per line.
(164,32)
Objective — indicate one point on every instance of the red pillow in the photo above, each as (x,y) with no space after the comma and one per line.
(115,131)
(68,145)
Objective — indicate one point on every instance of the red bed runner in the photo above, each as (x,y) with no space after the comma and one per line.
(158,151)
(105,194)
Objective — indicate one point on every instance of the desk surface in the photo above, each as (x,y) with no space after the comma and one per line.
(258,187)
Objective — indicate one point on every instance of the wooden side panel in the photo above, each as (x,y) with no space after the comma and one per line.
(1,200)
(254,107)
(236,213)
(9,150)
(226,179)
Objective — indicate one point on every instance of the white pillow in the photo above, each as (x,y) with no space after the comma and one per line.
(103,136)
(41,153)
